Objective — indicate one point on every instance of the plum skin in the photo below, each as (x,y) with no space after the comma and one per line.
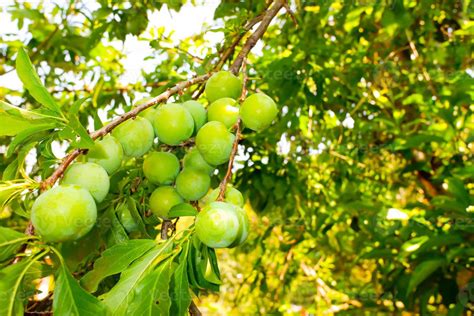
(223,84)
(218,225)
(215,142)
(192,184)
(64,213)
(90,176)
(231,195)
(194,160)
(108,153)
(163,199)
(224,110)
(173,124)
(258,111)
(136,136)
(161,167)
(198,112)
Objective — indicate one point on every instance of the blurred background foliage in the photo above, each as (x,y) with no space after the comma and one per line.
(361,194)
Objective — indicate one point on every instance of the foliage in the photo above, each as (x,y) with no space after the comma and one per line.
(361,193)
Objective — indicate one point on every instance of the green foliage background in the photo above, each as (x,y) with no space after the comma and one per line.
(361,194)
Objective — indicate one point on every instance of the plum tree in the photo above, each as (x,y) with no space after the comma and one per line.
(231,195)
(214,142)
(66,212)
(218,225)
(225,110)
(223,84)
(173,124)
(258,111)
(194,160)
(161,167)
(91,177)
(192,184)
(198,112)
(136,136)
(107,152)
(163,199)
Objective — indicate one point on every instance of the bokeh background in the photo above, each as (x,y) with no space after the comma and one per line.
(360,195)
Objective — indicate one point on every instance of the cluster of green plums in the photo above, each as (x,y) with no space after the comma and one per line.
(68,211)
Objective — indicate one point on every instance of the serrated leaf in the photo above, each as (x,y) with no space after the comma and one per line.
(85,139)
(152,295)
(10,241)
(122,294)
(27,133)
(114,260)
(181,298)
(32,82)
(422,271)
(182,209)
(71,299)
(11,278)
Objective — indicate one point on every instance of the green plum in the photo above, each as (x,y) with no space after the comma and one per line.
(258,111)
(163,199)
(218,225)
(243,228)
(136,136)
(173,124)
(127,219)
(215,142)
(148,113)
(161,167)
(107,152)
(225,110)
(194,160)
(91,177)
(223,84)
(198,113)
(232,196)
(192,184)
(66,212)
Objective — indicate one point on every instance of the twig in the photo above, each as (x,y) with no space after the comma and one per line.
(253,39)
(290,12)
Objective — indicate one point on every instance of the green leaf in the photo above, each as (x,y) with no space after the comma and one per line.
(122,294)
(10,241)
(11,279)
(458,190)
(182,209)
(26,134)
(11,125)
(114,260)
(152,294)
(71,299)
(423,271)
(85,140)
(181,298)
(32,82)
(77,105)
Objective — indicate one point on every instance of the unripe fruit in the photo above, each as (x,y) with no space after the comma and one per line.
(194,160)
(161,167)
(243,228)
(218,225)
(258,111)
(108,153)
(232,196)
(223,84)
(198,113)
(224,110)
(127,219)
(91,177)
(149,113)
(173,124)
(192,184)
(215,142)
(163,199)
(66,212)
(136,136)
